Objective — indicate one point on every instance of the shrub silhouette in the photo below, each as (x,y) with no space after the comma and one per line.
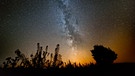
(103,55)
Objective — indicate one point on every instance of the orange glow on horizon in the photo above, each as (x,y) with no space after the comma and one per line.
(80,56)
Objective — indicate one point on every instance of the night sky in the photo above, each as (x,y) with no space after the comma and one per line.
(77,25)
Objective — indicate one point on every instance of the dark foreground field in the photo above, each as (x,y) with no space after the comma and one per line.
(119,69)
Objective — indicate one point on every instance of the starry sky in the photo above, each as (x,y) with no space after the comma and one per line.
(77,25)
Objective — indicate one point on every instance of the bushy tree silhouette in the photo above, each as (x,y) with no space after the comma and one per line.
(103,55)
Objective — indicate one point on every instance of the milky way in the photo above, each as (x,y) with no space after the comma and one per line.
(69,23)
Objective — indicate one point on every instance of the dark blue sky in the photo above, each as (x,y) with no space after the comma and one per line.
(76,25)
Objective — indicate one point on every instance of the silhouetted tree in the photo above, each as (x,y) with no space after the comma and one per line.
(103,55)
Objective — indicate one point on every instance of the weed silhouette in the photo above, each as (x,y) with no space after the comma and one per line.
(39,60)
